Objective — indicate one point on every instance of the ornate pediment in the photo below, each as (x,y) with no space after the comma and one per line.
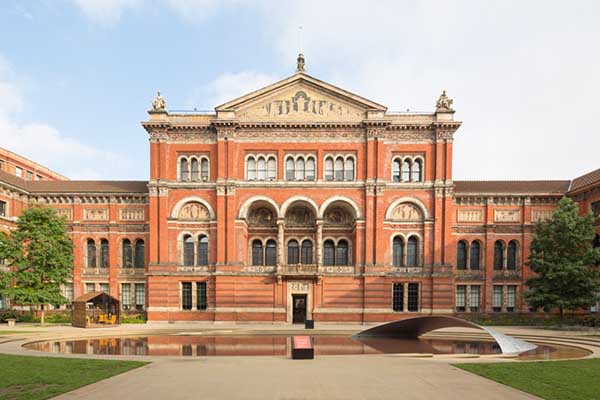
(299,98)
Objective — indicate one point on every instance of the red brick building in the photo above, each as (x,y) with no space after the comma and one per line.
(301,200)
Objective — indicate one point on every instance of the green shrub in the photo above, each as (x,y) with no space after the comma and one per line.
(133,319)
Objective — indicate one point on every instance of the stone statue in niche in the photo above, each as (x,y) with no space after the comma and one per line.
(299,216)
(261,216)
(406,212)
(337,216)
(444,103)
(194,212)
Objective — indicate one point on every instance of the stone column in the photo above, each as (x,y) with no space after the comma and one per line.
(319,244)
(280,242)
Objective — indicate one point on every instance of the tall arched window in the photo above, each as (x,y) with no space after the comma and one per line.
(349,169)
(140,254)
(202,250)
(300,169)
(257,252)
(91,253)
(328,253)
(127,254)
(306,255)
(271,253)
(272,169)
(416,171)
(396,170)
(262,169)
(339,169)
(329,169)
(310,169)
(251,169)
(475,254)
(289,169)
(411,251)
(461,255)
(195,169)
(184,171)
(204,169)
(498,255)
(188,251)
(398,251)
(341,253)
(511,258)
(104,254)
(293,254)
(406,171)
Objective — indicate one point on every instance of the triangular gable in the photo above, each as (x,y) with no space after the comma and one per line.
(299,97)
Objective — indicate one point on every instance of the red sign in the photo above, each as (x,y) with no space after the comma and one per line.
(302,342)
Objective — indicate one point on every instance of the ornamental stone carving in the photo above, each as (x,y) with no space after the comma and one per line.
(338,216)
(159,103)
(66,213)
(299,216)
(300,63)
(470,216)
(131,214)
(507,215)
(444,103)
(406,212)
(541,215)
(261,216)
(193,211)
(95,214)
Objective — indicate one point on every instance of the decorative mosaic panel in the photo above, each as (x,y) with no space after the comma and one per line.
(66,213)
(540,215)
(470,216)
(95,214)
(131,214)
(507,215)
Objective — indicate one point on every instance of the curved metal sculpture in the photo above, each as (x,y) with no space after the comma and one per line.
(412,328)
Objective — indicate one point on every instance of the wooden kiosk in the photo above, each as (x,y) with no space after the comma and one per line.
(96,309)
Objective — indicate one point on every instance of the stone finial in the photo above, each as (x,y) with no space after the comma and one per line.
(444,103)
(300,63)
(159,104)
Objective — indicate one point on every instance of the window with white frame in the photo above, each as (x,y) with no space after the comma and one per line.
(511,298)
(19,172)
(339,167)
(68,291)
(193,168)
(2,208)
(475,298)
(140,296)
(261,168)
(407,169)
(90,287)
(191,300)
(497,298)
(104,287)
(126,296)
(461,298)
(300,168)
(405,296)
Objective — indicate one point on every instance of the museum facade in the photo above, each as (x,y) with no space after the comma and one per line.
(300,201)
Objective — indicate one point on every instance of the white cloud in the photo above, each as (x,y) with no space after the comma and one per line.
(106,12)
(45,144)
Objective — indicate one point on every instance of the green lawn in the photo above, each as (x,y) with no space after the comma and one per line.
(13,332)
(29,378)
(551,380)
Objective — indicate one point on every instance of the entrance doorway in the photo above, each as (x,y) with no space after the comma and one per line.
(298,308)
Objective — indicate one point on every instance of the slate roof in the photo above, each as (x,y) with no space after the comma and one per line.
(585,180)
(506,187)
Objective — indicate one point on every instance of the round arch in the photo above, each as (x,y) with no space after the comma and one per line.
(185,200)
(286,204)
(342,199)
(248,204)
(413,200)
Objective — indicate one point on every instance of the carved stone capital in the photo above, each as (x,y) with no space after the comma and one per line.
(158,135)
(375,132)
(225,133)
(444,135)
(152,190)
(163,191)
(230,190)
(221,190)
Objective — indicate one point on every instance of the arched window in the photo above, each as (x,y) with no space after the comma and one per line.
(184,171)
(306,255)
(188,251)
(328,253)
(262,169)
(204,169)
(339,169)
(398,251)
(406,171)
(272,169)
(257,252)
(461,255)
(349,169)
(289,169)
(140,254)
(293,256)
(104,253)
(310,169)
(511,258)
(203,250)
(91,253)
(195,169)
(300,169)
(475,254)
(411,251)
(271,253)
(396,170)
(498,255)
(251,169)
(416,171)
(329,169)
(341,253)
(127,254)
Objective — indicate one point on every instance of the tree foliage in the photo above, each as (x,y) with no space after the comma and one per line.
(563,259)
(40,253)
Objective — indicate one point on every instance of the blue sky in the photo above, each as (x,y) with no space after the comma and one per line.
(77,76)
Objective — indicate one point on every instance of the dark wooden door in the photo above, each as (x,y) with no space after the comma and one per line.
(298,308)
